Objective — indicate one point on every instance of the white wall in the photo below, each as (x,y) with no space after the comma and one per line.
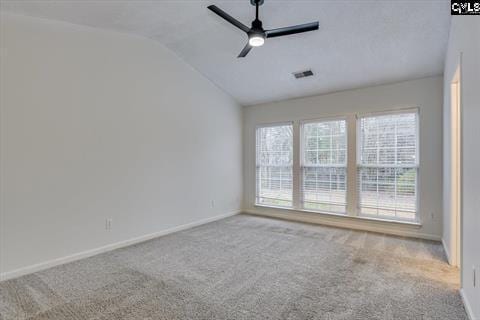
(426,94)
(465,39)
(96,125)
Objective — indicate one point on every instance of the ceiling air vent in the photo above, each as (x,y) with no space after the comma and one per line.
(303,74)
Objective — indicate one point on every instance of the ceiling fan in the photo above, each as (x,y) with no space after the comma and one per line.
(256,34)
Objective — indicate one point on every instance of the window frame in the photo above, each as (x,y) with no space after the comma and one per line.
(257,189)
(302,123)
(353,146)
(416,166)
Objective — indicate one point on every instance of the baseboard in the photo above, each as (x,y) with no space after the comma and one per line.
(89,253)
(467,305)
(447,253)
(344,222)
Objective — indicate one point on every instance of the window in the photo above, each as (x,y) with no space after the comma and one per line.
(352,165)
(324,166)
(388,165)
(274,155)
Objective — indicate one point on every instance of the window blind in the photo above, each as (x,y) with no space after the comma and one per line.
(324,166)
(388,165)
(274,153)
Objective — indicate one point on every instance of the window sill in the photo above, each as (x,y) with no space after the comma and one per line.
(345,216)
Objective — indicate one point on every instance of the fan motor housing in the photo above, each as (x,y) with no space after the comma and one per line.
(254,2)
(257,25)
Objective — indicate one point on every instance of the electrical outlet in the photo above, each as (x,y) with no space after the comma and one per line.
(108,224)
(212,203)
(474,277)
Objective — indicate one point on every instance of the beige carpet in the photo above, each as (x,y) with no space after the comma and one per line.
(247,267)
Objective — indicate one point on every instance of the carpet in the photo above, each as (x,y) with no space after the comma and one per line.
(247,267)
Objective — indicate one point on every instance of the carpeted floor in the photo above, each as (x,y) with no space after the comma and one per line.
(247,267)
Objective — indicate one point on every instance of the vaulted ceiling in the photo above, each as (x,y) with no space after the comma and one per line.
(359,43)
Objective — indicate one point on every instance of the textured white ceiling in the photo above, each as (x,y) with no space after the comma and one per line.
(360,43)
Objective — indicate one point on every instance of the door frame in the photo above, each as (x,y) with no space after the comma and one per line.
(456,164)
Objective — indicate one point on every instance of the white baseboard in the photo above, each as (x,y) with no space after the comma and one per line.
(85,254)
(467,305)
(447,253)
(385,227)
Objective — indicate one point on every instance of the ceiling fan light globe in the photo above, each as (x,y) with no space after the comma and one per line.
(256,41)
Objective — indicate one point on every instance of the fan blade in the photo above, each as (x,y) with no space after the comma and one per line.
(245,51)
(292,30)
(229,18)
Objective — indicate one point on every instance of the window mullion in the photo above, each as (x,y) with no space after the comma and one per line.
(352,193)
(297,192)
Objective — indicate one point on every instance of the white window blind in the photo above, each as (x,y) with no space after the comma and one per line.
(324,166)
(274,160)
(388,165)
